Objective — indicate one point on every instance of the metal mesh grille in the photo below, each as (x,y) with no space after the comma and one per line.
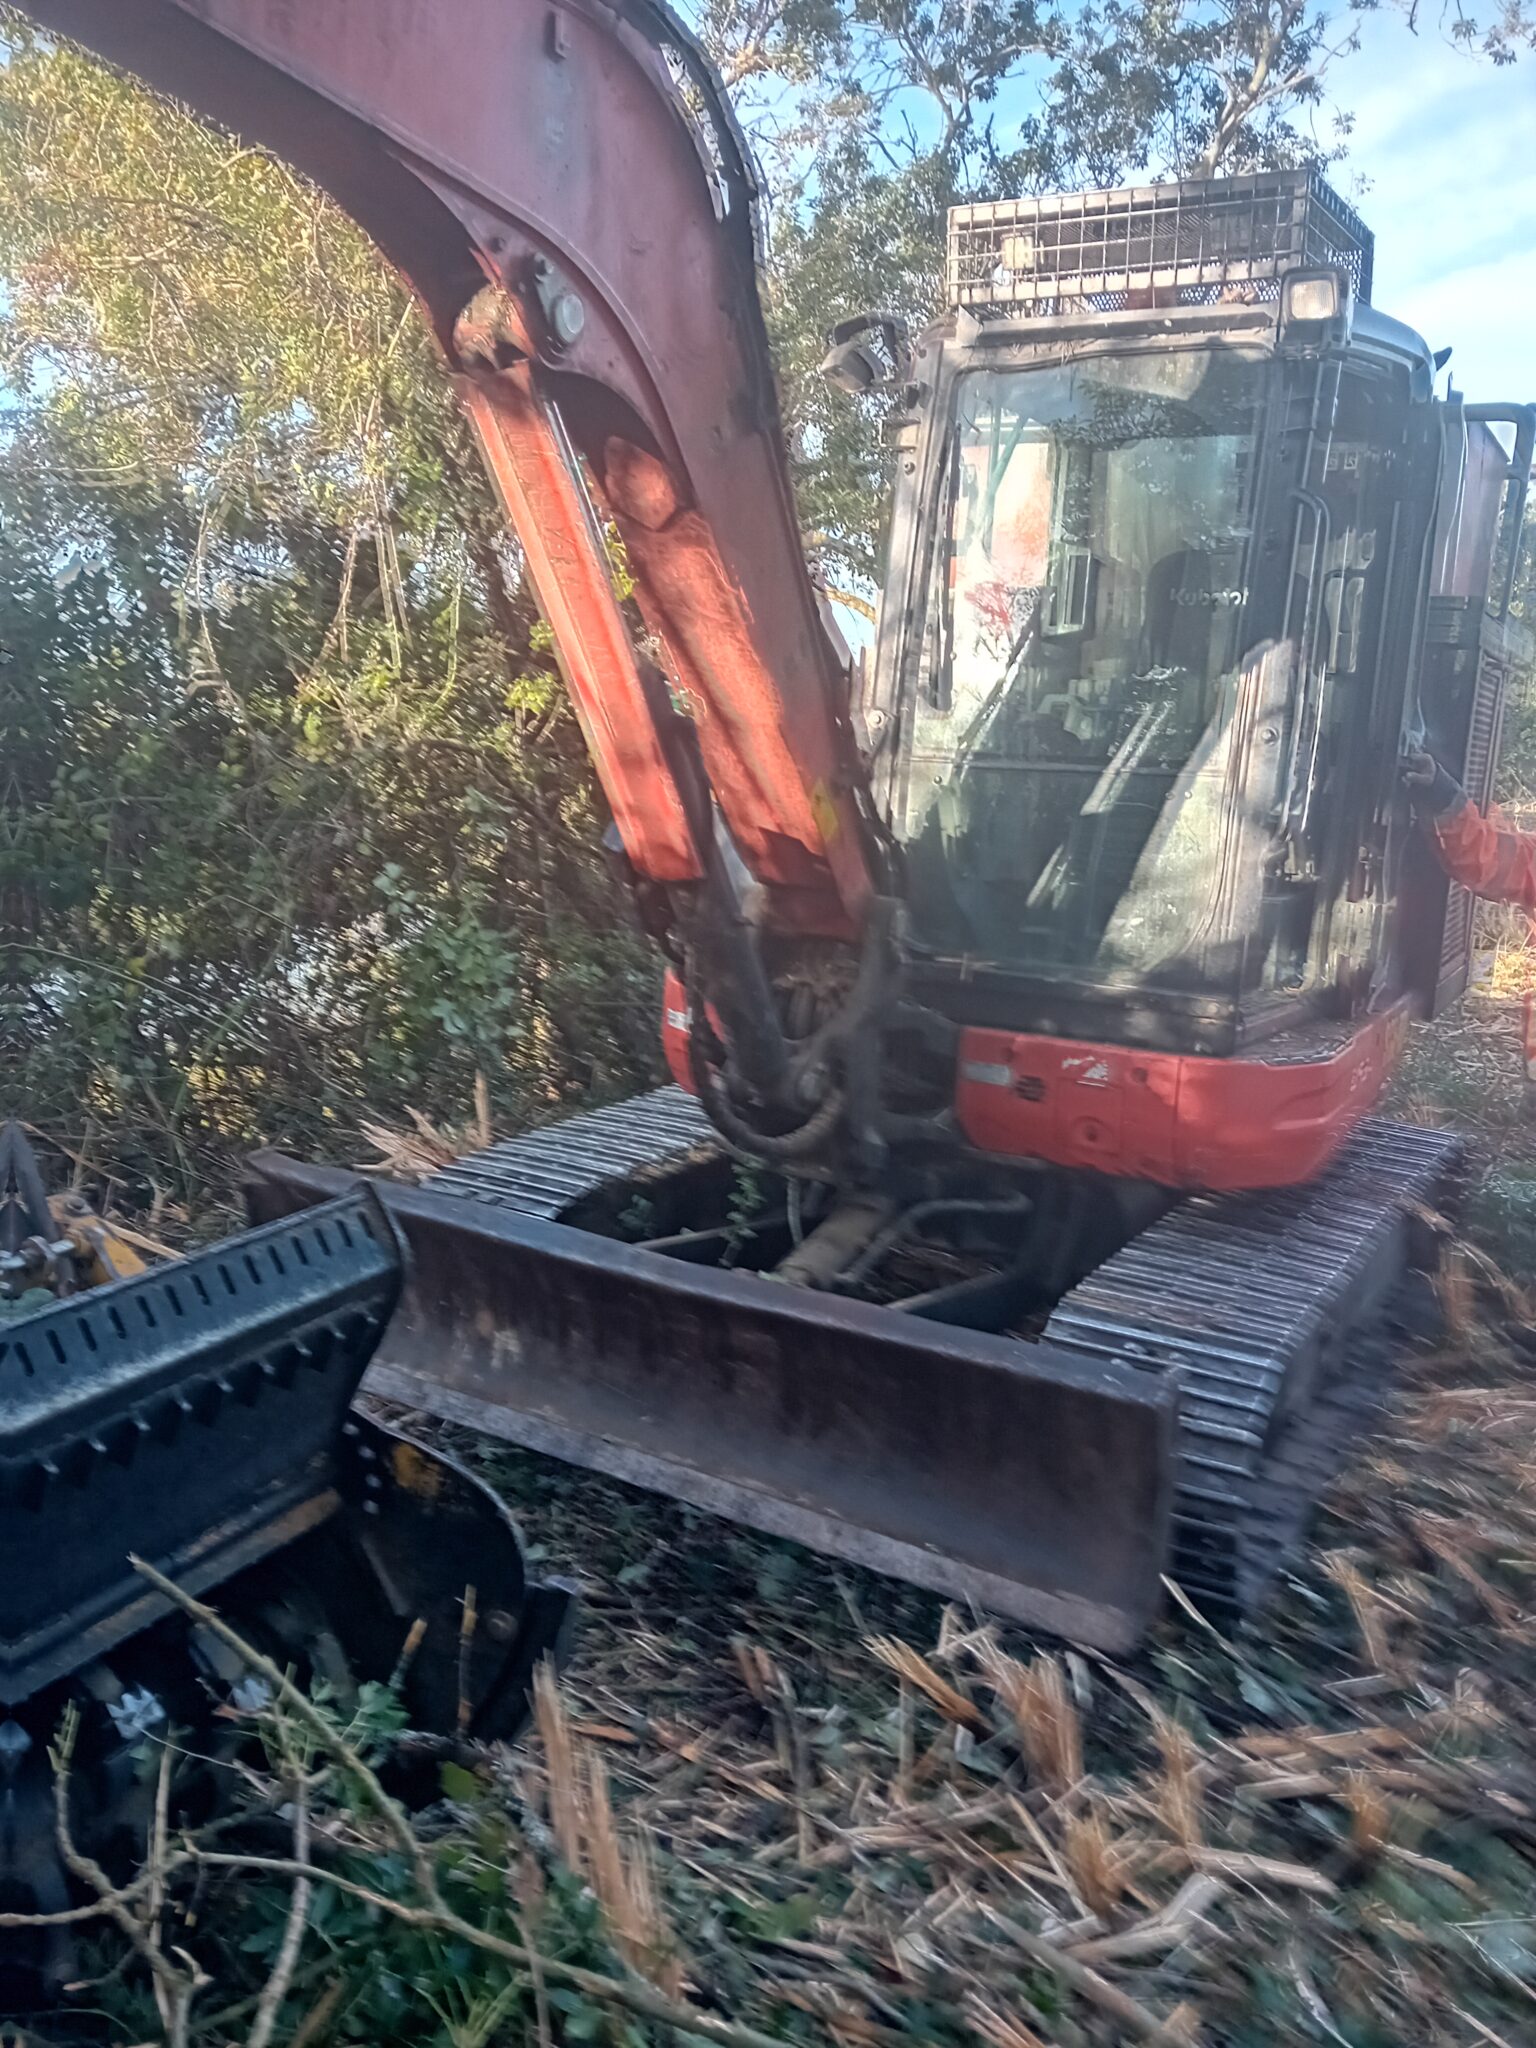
(1487,723)
(1206,240)
(1456,933)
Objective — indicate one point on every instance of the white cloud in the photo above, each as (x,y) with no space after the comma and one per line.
(1448,144)
(1468,310)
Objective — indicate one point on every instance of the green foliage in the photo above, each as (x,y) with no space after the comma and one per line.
(872,117)
(423,1982)
(297,820)
(873,240)
(749,1196)
(1194,90)
(1502,1217)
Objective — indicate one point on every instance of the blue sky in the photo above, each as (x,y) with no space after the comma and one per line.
(1448,147)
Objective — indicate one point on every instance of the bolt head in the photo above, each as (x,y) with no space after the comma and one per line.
(567,317)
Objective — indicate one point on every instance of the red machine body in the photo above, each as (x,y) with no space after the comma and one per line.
(583,241)
(1180,1120)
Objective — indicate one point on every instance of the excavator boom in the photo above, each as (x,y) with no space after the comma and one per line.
(565,190)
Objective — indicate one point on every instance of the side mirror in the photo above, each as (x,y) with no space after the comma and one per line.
(867,352)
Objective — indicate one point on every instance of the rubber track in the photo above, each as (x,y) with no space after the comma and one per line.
(1270,1308)
(547,1171)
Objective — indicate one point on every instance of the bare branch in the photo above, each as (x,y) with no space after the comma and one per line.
(275,1989)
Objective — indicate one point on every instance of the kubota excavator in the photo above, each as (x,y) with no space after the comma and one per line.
(1050,962)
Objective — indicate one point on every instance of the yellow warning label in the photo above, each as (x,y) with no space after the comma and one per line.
(416,1473)
(824,811)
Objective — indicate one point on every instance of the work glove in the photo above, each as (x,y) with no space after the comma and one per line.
(1432,789)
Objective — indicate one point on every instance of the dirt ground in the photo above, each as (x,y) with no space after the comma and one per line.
(805,1804)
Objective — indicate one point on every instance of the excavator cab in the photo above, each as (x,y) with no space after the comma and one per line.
(1137,637)
(1162,569)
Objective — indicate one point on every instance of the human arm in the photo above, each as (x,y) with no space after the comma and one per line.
(1484,854)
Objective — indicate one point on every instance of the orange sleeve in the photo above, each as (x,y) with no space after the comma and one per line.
(1487,856)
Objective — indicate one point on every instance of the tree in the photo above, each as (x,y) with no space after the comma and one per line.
(1197,91)
(296,818)
(873,117)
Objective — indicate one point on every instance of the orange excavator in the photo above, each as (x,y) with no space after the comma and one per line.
(1017,1221)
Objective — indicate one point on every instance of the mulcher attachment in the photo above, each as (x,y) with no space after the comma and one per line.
(189,1416)
(199,1417)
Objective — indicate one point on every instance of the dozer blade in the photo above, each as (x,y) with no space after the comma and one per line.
(1035,1482)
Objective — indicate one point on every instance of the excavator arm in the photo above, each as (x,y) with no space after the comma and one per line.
(563,187)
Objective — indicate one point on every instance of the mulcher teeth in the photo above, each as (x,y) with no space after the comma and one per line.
(188,1416)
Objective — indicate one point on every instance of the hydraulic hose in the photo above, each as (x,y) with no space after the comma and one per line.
(797,1145)
(922,1212)
(870,988)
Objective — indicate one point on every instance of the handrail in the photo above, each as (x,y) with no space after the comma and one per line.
(1310,704)
(1506,550)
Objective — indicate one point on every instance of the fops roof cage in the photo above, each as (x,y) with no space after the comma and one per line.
(1206,240)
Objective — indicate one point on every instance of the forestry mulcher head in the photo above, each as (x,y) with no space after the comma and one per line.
(198,1416)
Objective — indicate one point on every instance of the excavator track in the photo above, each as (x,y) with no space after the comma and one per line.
(1269,1309)
(1180,1411)
(547,1172)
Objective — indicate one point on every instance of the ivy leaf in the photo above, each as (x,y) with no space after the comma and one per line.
(460,1784)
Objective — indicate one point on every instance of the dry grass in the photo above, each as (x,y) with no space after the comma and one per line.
(414,1154)
(620,1868)
(999,2029)
(869,1821)
(907,1663)
(1099,1857)
(1043,1713)
(1326,1833)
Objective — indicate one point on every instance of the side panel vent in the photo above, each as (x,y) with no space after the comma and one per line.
(1482,756)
